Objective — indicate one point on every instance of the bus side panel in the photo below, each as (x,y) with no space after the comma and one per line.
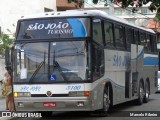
(117,63)
(150,70)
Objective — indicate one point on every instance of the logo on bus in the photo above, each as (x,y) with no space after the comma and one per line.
(49,93)
(52,28)
(38,26)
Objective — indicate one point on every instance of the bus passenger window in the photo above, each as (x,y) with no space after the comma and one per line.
(97,62)
(153,43)
(143,40)
(136,37)
(129,38)
(97,31)
(148,46)
(108,31)
(119,36)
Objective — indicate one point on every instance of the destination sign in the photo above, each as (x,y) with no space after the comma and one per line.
(53,28)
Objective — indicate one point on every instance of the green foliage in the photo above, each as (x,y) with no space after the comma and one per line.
(152,7)
(155,5)
(126,3)
(6,43)
(95,1)
(69,1)
(157,18)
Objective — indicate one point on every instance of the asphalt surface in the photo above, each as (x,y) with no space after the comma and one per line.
(123,111)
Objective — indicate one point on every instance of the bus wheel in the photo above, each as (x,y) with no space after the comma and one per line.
(106,103)
(146,96)
(140,94)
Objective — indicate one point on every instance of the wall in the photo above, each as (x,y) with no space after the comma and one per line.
(126,13)
(12,10)
(51,4)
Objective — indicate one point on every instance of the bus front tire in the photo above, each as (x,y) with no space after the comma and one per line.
(106,103)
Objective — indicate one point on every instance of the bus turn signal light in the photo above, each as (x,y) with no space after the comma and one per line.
(87,93)
(22,94)
(15,94)
(79,93)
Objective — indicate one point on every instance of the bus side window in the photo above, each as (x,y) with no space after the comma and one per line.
(97,61)
(155,44)
(143,40)
(129,38)
(108,32)
(119,36)
(148,45)
(152,43)
(136,37)
(97,31)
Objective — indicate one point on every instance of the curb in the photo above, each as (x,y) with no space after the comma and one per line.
(5,118)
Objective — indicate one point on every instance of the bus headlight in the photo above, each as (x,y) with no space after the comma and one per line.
(22,94)
(79,93)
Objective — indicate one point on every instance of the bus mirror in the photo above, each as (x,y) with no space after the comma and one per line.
(7,57)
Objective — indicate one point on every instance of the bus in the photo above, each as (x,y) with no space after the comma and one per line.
(158,81)
(158,76)
(81,60)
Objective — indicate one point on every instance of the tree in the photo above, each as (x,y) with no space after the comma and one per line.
(155,4)
(6,43)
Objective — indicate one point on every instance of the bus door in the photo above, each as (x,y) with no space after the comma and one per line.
(137,56)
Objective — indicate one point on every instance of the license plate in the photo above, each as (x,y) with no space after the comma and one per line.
(49,104)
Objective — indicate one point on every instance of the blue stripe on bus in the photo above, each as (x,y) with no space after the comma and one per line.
(140,55)
(150,61)
(77,27)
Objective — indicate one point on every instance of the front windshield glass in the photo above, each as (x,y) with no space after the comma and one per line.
(51,62)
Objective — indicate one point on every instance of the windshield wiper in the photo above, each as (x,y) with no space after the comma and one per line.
(56,65)
(36,71)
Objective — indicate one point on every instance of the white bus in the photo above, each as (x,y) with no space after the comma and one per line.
(158,82)
(81,61)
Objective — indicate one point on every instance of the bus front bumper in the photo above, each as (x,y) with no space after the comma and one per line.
(53,104)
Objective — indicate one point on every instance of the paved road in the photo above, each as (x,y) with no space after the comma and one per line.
(2,104)
(117,112)
(2,107)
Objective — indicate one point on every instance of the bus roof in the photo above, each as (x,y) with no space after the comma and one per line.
(83,13)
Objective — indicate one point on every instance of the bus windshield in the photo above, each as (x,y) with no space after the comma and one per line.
(51,62)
